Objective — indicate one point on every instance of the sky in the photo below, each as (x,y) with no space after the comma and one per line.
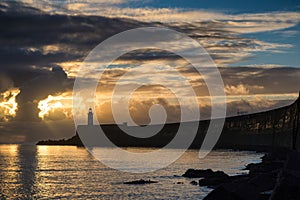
(254,44)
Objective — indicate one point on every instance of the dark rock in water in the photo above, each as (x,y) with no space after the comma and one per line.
(279,154)
(253,188)
(140,182)
(217,174)
(197,173)
(194,183)
(246,188)
(211,178)
(265,167)
(221,192)
(273,161)
(214,179)
(179,183)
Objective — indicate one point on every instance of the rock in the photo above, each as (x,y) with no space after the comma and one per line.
(245,188)
(140,182)
(194,183)
(276,155)
(265,167)
(214,179)
(264,182)
(273,161)
(197,173)
(276,178)
(221,193)
(211,178)
(179,182)
(253,188)
(217,174)
(288,184)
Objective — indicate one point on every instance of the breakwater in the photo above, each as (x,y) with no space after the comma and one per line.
(259,131)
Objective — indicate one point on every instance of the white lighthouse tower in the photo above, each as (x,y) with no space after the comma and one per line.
(90,117)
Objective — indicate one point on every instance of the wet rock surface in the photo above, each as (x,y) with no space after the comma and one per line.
(277,177)
(197,173)
(139,182)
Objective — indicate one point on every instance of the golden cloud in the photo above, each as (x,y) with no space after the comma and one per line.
(8,104)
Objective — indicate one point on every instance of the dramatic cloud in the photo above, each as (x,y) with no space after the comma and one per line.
(240,23)
(239,89)
(8,104)
(56,107)
(39,88)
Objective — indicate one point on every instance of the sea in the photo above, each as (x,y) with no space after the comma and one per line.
(69,172)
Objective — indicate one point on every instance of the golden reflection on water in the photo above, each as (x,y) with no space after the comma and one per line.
(17,172)
(9,166)
(11,157)
(60,172)
(32,172)
(42,150)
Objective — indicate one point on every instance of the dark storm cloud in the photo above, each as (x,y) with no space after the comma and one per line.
(24,34)
(5,83)
(39,88)
(19,58)
(26,64)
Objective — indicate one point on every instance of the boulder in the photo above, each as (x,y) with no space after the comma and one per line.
(140,182)
(197,173)
(265,167)
(221,192)
(214,179)
(194,183)
(244,188)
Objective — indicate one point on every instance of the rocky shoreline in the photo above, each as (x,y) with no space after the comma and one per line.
(277,177)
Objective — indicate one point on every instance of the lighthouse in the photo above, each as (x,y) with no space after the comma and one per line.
(90,117)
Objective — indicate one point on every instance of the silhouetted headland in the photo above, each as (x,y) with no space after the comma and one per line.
(259,131)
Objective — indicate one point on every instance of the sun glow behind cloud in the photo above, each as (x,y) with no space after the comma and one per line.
(57,106)
(8,106)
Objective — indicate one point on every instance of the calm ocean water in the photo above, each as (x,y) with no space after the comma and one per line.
(62,172)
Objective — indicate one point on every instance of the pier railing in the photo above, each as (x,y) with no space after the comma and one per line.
(279,126)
